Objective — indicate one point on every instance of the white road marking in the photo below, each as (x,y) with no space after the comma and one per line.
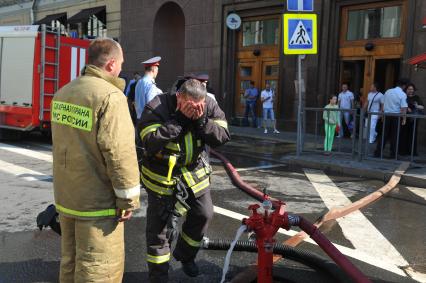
(417,191)
(44,146)
(26,152)
(353,253)
(21,172)
(355,227)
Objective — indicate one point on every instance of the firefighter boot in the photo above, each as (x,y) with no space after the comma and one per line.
(190,268)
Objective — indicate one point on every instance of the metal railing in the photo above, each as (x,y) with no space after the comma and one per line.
(390,130)
(358,144)
(314,129)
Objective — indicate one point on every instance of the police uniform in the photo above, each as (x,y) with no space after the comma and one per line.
(94,173)
(146,88)
(175,157)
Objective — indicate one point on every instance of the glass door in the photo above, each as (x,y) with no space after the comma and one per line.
(270,72)
(247,72)
(386,72)
(353,72)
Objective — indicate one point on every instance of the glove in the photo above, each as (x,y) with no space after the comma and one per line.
(182,119)
(200,123)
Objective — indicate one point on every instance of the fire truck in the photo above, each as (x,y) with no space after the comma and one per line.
(35,61)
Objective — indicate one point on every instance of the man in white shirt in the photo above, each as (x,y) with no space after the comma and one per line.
(374,105)
(346,101)
(394,102)
(267,98)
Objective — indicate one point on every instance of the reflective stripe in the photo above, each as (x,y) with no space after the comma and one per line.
(221,123)
(201,173)
(200,186)
(180,209)
(149,129)
(191,242)
(158,259)
(72,115)
(188,148)
(128,193)
(156,188)
(188,177)
(172,163)
(98,213)
(199,143)
(160,179)
(173,146)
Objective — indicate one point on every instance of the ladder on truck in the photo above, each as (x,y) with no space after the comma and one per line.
(44,79)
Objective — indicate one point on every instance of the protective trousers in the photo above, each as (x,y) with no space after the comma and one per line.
(158,234)
(92,250)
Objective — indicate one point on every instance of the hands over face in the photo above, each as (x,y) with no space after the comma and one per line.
(191,109)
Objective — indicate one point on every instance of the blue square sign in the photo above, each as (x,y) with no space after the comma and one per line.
(300,5)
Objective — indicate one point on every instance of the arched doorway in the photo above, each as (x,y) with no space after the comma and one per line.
(169,43)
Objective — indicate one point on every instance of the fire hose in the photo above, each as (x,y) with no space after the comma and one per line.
(305,257)
(263,225)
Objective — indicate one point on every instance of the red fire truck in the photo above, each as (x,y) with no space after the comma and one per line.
(35,61)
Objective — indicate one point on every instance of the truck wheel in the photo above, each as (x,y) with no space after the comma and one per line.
(10,135)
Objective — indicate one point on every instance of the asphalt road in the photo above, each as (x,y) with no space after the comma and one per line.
(386,240)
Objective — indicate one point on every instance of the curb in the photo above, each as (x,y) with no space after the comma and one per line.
(382,175)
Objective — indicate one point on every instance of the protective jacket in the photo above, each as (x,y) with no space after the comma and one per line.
(95,167)
(174,148)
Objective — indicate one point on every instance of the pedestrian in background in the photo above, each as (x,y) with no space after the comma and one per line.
(146,88)
(136,77)
(374,105)
(345,101)
(408,133)
(251,94)
(331,120)
(267,97)
(394,102)
(95,170)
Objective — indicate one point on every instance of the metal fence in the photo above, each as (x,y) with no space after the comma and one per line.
(390,130)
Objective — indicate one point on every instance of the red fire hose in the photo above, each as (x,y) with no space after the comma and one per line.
(268,225)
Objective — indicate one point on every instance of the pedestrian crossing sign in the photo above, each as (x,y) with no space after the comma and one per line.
(300,33)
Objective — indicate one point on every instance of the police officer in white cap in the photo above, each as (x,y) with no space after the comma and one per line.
(146,89)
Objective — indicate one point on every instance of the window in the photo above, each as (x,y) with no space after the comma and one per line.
(245,71)
(96,28)
(262,32)
(373,23)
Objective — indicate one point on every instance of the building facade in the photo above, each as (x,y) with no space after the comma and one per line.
(360,42)
(84,19)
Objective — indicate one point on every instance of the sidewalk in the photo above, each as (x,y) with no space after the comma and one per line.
(341,163)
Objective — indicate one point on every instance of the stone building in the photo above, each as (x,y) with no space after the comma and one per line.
(90,18)
(360,41)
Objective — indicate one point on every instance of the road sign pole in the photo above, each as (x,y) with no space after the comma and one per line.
(299,111)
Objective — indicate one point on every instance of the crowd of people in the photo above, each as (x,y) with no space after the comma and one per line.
(386,120)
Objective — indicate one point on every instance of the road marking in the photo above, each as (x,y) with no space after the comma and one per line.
(22,172)
(355,227)
(42,145)
(417,191)
(353,253)
(26,152)
(253,168)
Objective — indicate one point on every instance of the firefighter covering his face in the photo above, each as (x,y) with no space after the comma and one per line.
(95,170)
(174,130)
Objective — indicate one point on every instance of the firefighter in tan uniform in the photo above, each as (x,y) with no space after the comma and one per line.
(95,170)
(173,131)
